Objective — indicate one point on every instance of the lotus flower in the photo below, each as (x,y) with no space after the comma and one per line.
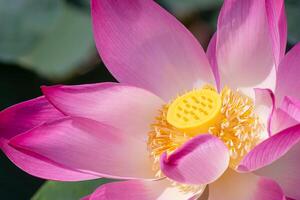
(180,120)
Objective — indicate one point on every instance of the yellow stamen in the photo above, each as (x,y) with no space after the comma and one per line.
(195,111)
(240,128)
(229,115)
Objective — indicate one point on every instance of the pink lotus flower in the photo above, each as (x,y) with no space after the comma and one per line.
(179,120)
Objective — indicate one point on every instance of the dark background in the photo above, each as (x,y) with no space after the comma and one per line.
(23,71)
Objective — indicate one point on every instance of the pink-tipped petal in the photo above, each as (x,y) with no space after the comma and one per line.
(141,190)
(288,82)
(143,45)
(292,107)
(26,115)
(44,168)
(278,27)
(127,108)
(278,158)
(236,186)
(264,107)
(22,117)
(244,49)
(199,161)
(89,146)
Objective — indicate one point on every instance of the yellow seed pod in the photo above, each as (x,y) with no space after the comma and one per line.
(196,111)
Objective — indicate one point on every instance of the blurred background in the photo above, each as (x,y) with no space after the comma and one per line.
(44,42)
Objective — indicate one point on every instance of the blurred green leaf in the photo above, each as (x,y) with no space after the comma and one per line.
(64,49)
(182,8)
(293,15)
(52,190)
(81,3)
(23,23)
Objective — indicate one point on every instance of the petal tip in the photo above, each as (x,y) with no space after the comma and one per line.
(46,89)
(183,164)
(242,168)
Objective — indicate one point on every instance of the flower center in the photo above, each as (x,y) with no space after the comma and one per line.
(229,116)
(195,111)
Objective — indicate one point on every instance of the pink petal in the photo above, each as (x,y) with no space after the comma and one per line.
(278,26)
(26,115)
(285,172)
(264,107)
(200,161)
(143,45)
(211,55)
(287,115)
(141,190)
(44,168)
(271,149)
(89,146)
(127,108)
(288,82)
(2,142)
(280,121)
(244,49)
(278,158)
(22,117)
(235,186)
(292,107)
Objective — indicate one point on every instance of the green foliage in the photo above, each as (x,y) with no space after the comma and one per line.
(81,3)
(187,7)
(64,49)
(293,15)
(67,190)
(50,37)
(23,23)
